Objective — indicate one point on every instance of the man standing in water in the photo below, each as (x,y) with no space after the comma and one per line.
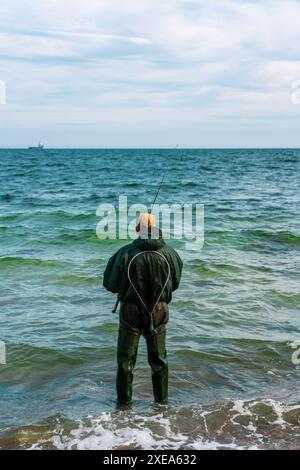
(143,274)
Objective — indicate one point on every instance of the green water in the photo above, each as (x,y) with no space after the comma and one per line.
(232,322)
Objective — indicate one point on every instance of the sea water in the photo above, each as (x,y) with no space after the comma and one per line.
(234,322)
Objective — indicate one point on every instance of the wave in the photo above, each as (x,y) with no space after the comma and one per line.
(17,261)
(255,424)
(87,234)
(6,197)
(283,237)
(60,215)
(73,279)
(64,215)
(285,298)
(9,217)
(220,351)
(237,351)
(24,357)
(212,269)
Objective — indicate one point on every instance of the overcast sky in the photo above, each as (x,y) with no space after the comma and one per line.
(150,73)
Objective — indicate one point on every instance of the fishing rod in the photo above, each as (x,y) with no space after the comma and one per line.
(114,309)
(159,188)
(160,185)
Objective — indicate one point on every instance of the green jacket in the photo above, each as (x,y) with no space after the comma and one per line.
(148,273)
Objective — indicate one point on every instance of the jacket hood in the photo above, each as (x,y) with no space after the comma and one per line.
(153,243)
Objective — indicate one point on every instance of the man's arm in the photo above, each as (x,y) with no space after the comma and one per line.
(176,268)
(177,271)
(113,273)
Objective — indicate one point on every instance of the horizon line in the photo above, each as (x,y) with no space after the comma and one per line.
(152,148)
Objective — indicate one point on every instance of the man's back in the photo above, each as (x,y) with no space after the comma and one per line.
(149,266)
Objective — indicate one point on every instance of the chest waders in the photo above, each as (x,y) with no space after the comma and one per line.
(149,311)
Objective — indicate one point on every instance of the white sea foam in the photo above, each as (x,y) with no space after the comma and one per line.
(166,429)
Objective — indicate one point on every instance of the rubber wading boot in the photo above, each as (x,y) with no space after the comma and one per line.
(157,358)
(126,354)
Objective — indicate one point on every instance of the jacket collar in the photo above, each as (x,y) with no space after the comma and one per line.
(154,243)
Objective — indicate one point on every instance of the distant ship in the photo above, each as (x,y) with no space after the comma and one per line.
(40,146)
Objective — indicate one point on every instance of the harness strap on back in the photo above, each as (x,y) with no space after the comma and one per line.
(152,330)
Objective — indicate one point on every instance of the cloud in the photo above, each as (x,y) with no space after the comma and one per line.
(279,73)
(131,62)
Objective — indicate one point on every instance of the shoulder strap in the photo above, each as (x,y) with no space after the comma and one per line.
(134,287)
